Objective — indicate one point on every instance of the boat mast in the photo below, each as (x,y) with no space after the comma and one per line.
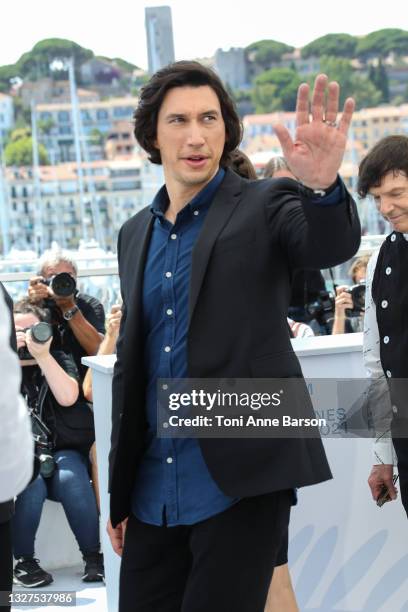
(75,122)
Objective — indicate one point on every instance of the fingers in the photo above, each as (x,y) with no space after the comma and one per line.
(285,140)
(332,107)
(302,105)
(115,536)
(347,115)
(318,98)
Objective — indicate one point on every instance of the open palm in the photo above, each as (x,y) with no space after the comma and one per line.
(316,153)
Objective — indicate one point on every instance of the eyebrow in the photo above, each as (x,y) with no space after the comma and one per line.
(390,192)
(183,115)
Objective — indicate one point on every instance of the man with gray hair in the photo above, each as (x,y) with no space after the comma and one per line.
(78,318)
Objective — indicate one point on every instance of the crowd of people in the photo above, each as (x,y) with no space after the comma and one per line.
(217,276)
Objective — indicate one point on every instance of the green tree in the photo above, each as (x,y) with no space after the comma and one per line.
(264,98)
(6,74)
(364,92)
(339,45)
(379,78)
(46,126)
(37,63)
(382,42)
(285,81)
(96,137)
(20,153)
(20,133)
(351,83)
(268,51)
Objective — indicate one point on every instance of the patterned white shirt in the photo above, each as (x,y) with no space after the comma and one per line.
(383,449)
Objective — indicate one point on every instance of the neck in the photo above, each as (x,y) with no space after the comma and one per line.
(180,195)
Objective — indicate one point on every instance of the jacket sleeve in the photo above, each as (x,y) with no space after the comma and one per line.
(16,440)
(314,235)
(117,386)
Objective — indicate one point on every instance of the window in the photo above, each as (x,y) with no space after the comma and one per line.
(45,116)
(102,114)
(123,111)
(85,115)
(64,117)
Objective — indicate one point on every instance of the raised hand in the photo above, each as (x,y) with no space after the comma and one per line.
(316,154)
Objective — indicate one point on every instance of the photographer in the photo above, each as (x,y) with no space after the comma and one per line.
(78,319)
(63,431)
(349,303)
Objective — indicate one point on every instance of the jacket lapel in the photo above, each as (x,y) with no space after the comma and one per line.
(222,207)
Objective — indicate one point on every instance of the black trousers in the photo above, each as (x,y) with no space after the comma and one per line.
(6,560)
(222,564)
(401,450)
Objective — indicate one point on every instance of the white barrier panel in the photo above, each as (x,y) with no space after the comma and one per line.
(346,555)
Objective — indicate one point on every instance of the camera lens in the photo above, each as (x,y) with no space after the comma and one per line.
(41,332)
(63,284)
(47,465)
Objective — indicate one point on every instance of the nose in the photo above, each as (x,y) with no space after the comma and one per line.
(386,206)
(195,136)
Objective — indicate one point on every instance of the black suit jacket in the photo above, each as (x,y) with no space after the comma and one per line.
(254,235)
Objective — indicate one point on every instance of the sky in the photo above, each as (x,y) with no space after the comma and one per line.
(116,28)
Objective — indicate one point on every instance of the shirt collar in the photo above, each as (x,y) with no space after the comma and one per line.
(202,198)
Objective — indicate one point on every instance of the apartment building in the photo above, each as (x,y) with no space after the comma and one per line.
(100,115)
(53,209)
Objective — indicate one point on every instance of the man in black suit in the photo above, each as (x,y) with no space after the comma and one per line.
(205,277)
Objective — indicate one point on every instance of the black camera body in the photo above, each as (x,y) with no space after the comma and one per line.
(41,333)
(357,293)
(322,308)
(62,285)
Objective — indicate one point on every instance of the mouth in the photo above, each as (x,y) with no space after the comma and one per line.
(195,161)
(396,218)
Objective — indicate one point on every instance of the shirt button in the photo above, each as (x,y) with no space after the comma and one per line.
(388,271)
(167,349)
(196,213)
(384,304)
(173,236)
(394,409)
(168,274)
(393,238)
(169,459)
(386,339)
(388,373)
(169,312)
(164,387)
(165,425)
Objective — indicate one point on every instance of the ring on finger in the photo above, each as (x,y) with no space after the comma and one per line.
(330,123)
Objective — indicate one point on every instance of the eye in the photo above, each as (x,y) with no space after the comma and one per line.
(209,118)
(177,120)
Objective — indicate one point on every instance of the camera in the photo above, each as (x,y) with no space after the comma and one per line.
(41,333)
(43,445)
(62,285)
(322,308)
(357,293)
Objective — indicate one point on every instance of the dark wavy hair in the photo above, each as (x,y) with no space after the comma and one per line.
(240,163)
(182,74)
(390,154)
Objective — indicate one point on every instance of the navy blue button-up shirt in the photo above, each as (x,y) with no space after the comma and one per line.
(173,485)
